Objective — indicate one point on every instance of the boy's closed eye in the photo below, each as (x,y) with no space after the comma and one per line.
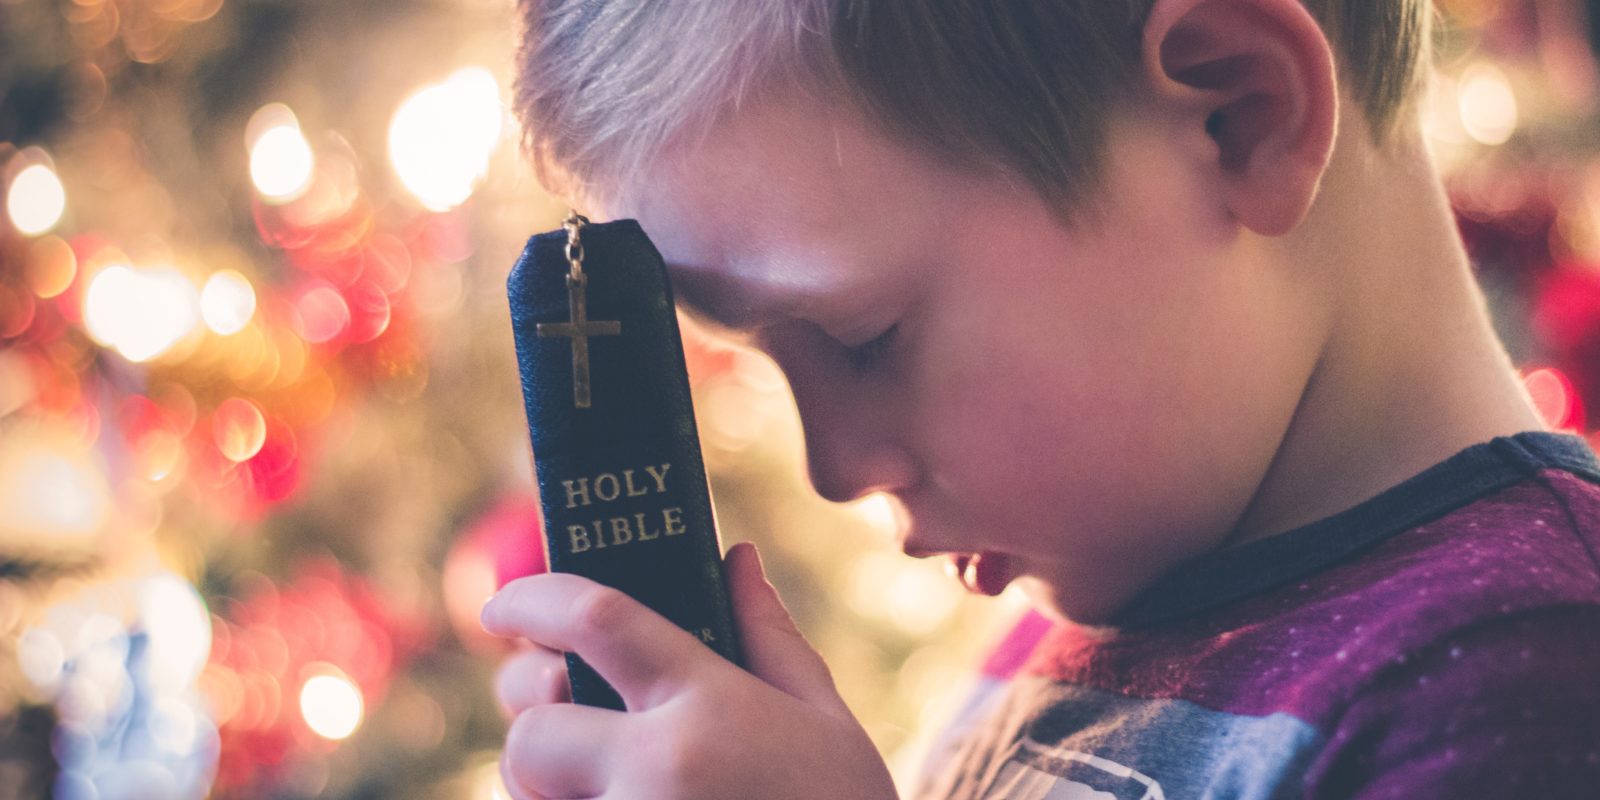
(861,351)
(873,352)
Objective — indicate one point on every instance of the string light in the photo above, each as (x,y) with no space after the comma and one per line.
(331,704)
(179,627)
(281,162)
(36,199)
(442,136)
(140,312)
(227,302)
(1488,105)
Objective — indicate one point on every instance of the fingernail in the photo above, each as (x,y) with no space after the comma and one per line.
(755,553)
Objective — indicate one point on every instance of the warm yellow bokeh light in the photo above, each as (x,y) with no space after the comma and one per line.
(1488,105)
(882,513)
(442,136)
(487,784)
(281,162)
(239,428)
(331,705)
(227,302)
(51,266)
(36,199)
(50,493)
(140,313)
(158,455)
(914,596)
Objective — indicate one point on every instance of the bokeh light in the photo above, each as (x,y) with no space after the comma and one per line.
(914,597)
(281,161)
(227,302)
(487,783)
(370,312)
(323,313)
(51,266)
(140,312)
(322,427)
(1488,105)
(331,705)
(17,309)
(441,138)
(1554,397)
(41,657)
(158,455)
(179,627)
(36,199)
(240,429)
(51,493)
(882,513)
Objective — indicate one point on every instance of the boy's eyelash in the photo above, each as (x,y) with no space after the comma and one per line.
(870,353)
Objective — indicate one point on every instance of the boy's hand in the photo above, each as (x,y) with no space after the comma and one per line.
(697,726)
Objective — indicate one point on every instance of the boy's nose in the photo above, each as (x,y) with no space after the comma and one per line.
(852,448)
(852,422)
(843,470)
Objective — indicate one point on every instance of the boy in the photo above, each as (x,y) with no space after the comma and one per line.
(1153,307)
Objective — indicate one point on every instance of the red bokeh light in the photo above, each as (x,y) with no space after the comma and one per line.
(1555,398)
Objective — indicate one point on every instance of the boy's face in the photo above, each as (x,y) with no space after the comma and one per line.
(1080,407)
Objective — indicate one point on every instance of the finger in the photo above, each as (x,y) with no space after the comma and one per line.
(534,676)
(516,792)
(774,648)
(561,750)
(645,657)
(511,784)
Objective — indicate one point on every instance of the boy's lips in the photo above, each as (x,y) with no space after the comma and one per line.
(982,573)
(985,572)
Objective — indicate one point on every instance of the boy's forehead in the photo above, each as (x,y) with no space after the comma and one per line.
(779,208)
(741,288)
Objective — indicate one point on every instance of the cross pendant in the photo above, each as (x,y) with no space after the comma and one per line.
(579,329)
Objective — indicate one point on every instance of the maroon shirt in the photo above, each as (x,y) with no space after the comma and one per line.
(1440,640)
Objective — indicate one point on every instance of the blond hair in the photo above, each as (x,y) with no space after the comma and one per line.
(603,88)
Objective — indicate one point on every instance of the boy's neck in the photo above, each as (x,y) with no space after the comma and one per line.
(1411,371)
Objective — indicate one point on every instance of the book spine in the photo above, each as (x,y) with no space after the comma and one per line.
(622,484)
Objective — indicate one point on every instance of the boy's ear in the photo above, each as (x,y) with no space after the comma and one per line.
(1258,77)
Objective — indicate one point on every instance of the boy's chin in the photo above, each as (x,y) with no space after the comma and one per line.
(1062,604)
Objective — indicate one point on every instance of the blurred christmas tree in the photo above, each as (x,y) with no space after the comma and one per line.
(261,447)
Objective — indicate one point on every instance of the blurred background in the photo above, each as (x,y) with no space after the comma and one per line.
(262,453)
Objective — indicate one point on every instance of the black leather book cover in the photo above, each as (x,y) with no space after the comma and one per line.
(622,484)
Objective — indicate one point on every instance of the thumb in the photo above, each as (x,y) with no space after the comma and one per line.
(774,649)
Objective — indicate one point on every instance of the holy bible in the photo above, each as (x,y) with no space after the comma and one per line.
(616,453)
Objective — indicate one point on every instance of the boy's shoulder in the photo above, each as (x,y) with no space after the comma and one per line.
(1452,619)
(1516,496)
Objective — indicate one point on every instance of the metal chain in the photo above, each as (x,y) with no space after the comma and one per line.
(574,224)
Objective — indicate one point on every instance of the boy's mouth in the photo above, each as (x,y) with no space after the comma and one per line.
(981,573)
